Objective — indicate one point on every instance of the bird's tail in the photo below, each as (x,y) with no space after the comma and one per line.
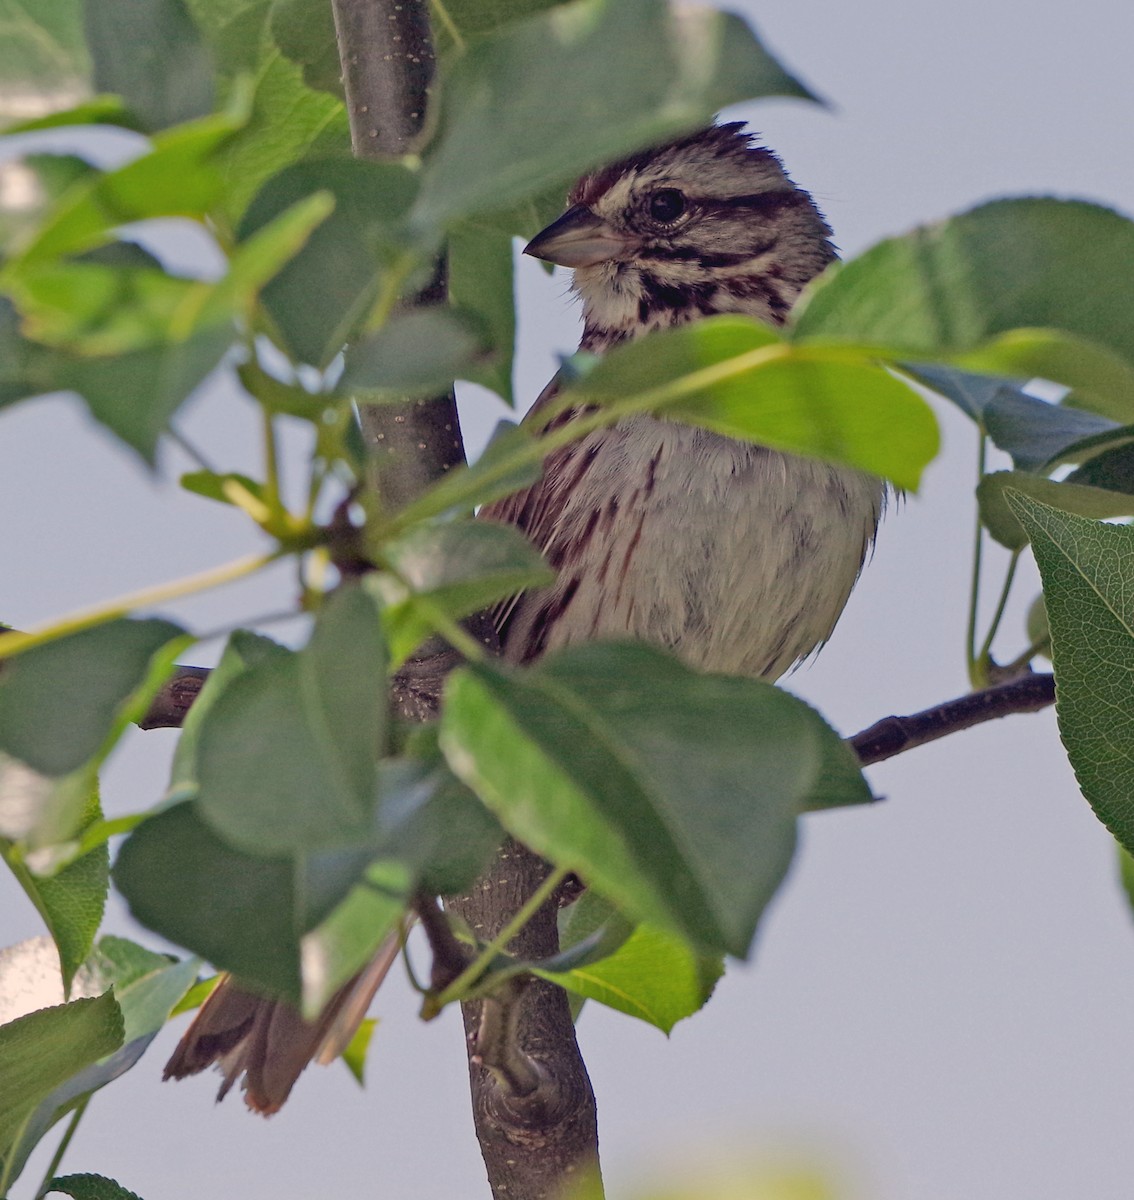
(267,1041)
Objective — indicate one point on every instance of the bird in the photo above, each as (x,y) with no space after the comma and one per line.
(735,557)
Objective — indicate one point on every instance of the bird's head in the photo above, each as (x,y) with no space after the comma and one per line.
(709,223)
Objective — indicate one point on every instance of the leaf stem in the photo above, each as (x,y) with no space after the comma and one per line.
(61,1149)
(469,976)
(976,672)
(986,648)
(101,614)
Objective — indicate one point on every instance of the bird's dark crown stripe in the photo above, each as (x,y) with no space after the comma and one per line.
(767,203)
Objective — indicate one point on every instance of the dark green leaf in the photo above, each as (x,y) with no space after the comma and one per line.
(90,1187)
(59,701)
(734,376)
(1100,379)
(1034,432)
(476,17)
(1000,520)
(480,269)
(148,986)
(589,930)
(1112,469)
(1087,570)
(673,793)
(970,392)
(236,910)
(416,353)
(456,567)
(237,31)
(136,394)
(305,32)
(287,754)
(214,486)
(613,77)
(44,1049)
(152,55)
(244,649)
(71,902)
(319,296)
(949,287)
(435,826)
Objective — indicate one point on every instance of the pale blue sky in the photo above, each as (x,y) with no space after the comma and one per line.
(940,1002)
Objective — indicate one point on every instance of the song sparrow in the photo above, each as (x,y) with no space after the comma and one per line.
(738,558)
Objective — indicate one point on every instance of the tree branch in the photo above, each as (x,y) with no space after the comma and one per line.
(894,735)
(884,739)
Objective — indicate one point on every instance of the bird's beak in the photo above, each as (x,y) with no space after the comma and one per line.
(578,239)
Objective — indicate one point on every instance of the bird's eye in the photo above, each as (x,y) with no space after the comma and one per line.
(666,205)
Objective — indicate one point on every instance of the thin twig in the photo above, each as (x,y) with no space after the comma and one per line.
(895,735)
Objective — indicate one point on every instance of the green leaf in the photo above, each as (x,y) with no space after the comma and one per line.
(416,353)
(998,516)
(455,567)
(480,266)
(43,59)
(949,287)
(179,177)
(653,976)
(38,811)
(152,55)
(90,1187)
(1101,380)
(58,701)
(289,122)
(330,285)
(1087,570)
(243,650)
(734,376)
(287,753)
(355,1054)
(434,826)
(235,910)
(71,902)
(146,986)
(1036,433)
(614,76)
(44,1049)
(305,32)
(346,940)
(674,794)
(213,486)
(1112,469)
(136,394)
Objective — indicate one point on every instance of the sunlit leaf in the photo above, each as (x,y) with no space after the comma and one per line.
(949,287)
